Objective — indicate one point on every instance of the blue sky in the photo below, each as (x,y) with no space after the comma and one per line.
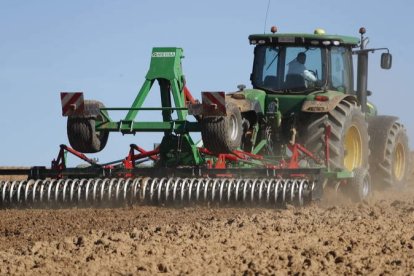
(103,48)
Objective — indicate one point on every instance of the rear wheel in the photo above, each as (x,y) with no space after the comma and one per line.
(390,159)
(81,130)
(349,140)
(222,134)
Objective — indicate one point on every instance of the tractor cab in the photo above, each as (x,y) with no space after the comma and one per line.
(302,63)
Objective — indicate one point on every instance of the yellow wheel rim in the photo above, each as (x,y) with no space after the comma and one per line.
(353,149)
(399,162)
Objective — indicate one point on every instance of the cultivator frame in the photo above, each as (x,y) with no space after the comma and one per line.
(181,168)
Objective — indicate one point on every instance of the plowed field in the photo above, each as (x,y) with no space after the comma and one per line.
(373,237)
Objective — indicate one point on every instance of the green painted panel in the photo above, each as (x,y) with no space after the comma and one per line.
(256,95)
(287,103)
(165,63)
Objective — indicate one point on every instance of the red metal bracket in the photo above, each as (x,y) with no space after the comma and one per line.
(59,164)
(188,96)
(235,156)
(129,161)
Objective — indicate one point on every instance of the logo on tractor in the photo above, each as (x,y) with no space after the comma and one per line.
(163,54)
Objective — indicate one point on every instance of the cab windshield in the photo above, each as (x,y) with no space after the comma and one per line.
(283,69)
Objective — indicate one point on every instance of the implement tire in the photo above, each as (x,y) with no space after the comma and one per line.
(359,187)
(222,134)
(349,140)
(81,130)
(390,160)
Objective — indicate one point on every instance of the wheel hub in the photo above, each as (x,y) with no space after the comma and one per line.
(353,149)
(399,162)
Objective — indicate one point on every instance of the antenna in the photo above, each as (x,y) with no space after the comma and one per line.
(267,13)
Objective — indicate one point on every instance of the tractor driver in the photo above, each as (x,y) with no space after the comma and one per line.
(297,67)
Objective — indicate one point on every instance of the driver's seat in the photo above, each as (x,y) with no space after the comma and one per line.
(295,82)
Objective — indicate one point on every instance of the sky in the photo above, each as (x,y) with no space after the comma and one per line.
(103,48)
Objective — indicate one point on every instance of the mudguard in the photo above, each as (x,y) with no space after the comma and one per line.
(315,106)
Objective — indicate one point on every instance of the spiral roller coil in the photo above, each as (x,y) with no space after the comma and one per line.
(154,191)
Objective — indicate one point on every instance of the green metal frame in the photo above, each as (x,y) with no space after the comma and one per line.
(177,147)
(166,69)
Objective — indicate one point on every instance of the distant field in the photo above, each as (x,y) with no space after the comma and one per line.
(12,177)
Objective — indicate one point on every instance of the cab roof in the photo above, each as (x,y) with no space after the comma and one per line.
(303,39)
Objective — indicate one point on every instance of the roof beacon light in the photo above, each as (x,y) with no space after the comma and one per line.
(319,31)
(273,29)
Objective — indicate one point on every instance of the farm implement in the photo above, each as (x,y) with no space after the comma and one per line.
(284,141)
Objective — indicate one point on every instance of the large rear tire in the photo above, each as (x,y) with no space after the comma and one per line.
(390,155)
(349,140)
(81,130)
(222,134)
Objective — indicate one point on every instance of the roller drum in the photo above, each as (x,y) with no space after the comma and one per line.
(60,193)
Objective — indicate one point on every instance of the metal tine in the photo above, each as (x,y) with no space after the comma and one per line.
(127,185)
(27,190)
(94,188)
(4,189)
(35,190)
(176,183)
(167,188)
(222,185)
(229,187)
(135,190)
(12,191)
(102,189)
(75,183)
(57,190)
(236,196)
(207,188)
(199,183)
(65,185)
(190,188)
(278,187)
(153,181)
(119,183)
(80,189)
(160,189)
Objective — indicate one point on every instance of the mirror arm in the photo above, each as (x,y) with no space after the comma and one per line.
(372,50)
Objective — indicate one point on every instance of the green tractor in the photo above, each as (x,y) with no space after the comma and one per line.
(302,127)
(303,94)
(303,83)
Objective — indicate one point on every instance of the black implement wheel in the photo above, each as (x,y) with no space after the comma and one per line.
(222,134)
(349,140)
(390,154)
(81,130)
(359,188)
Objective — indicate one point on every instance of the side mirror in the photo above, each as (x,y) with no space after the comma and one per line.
(386,60)
(369,93)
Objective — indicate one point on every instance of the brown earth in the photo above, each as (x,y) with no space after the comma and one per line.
(332,237)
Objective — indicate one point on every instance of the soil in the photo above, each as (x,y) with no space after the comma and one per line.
(331,237)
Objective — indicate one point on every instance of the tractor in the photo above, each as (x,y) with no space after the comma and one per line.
(302,127)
